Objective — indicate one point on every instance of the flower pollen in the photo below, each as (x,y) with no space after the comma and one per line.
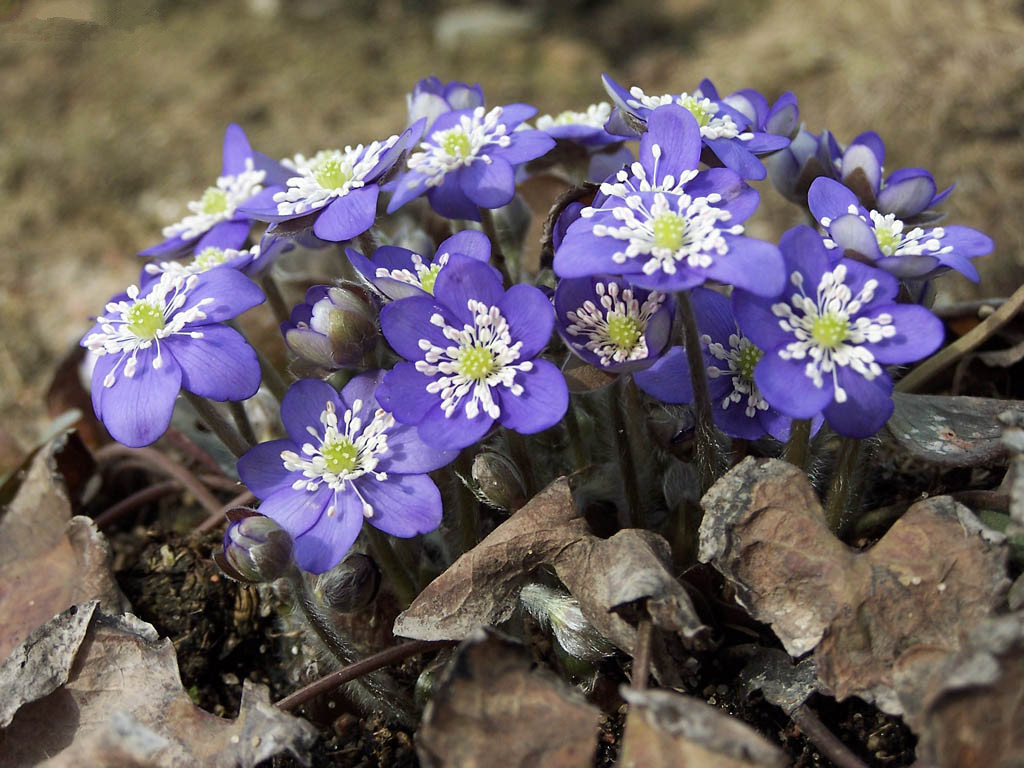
(461,145)
(615,330)
(145,320)
(741,357)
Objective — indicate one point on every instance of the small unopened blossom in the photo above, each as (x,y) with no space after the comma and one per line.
(472,349)
(468,161)
(398,272)
(337,188)
(612,324)
(665,226)
(167,336)
(255,549)
(605,152)
(335,327)
(248,179)
(345,460)
(430,98)
(909,252)
(737,406)
(827,338)
(728,135)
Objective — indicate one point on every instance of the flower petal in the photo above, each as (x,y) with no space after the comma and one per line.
(302,406)
(449,200)
(530,318)
(851,233)
(668,379)
(403,505)
(225,234)
(220,365)
(408,454)
(488,185)
(296,511)
(582,253)
(867,407)
(736,157)
(468,242)
(262,469)
(454,432)
(829,199)
(542,404)
(465,279)
(348,216)
(919,333)
(236,151)
(785,385)
(675,132)
(408,186)
(136,410)
(752,265)
(232,292)
(907,192)
(403,393)
(325,544)
(406,321)
(526,145)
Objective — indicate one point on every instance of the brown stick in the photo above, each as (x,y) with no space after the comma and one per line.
(826,741)
(166,466)
(137,499)
(372,663)
(642,654)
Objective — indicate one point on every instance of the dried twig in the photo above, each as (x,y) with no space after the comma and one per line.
(165,465)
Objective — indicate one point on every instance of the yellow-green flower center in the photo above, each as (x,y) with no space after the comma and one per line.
(669,229)
(341,455)
(214,201)
(830,330)
(331,175)
(456,144)
(696,108)
(476,363)
(429,277)
(210,257)
(747,358)
(623,331)
(145,320)
(888,240)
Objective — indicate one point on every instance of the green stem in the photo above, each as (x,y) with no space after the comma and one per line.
(275,298)
(215,420)
(624,454)
(706,448)
(497,254)
(241,418)
(843,480)
(389,563)
(796,450)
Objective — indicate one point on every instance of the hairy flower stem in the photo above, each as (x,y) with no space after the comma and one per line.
(624,453)
(394,571)
(215,420)
(843,481)
(796,450)
(377,687)
(572,428)
(242,422)
(498,255)
(468,521)
(740,449)
(275,298)
(706,449)
(521,458)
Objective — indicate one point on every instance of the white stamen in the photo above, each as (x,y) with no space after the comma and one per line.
(595,117)
(704,109)
(620,306)
(460,145)
(235,189)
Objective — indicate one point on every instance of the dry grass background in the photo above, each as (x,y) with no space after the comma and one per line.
(112,116)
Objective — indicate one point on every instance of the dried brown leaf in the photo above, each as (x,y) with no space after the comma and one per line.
(123,704)
(493,708)
(669,730)
(582,377)
(880,620)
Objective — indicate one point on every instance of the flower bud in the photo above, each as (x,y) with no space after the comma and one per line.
(499,481)
(335,327)
(351,585)
(255,548)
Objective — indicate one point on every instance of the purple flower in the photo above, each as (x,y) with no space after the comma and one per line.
(430,98)
(248,179)
(165,337)
(469,160)
(337,189)
(336,326)
(737,405)
(472,348)
(612,324)
(885,240)
(666,227)
(781,118)
(724,131)
(398,272)
(586,129)
(210,257)
(345,459)
(826,341)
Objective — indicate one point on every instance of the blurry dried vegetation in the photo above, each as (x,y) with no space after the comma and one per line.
(113,115)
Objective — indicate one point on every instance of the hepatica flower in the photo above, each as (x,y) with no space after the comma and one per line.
(430,98)
(210,257)
(153,342)
(888,242)
(338,188)
(737,405)
(215,219)
(472,350)
(469,159)
(398,272)
(828,336)
(666,227)
(345,460)
(611,324)
(586,129)
(724,131)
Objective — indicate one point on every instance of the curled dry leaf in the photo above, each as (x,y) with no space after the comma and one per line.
(669,730)
(973,713)
(492,708)
(782,682)
(949,431)
(879,620)
(123,704)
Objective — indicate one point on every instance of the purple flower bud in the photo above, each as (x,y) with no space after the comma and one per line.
(351,585)
(255,548)
(335,327)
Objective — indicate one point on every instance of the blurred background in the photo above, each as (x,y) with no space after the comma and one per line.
(112,113)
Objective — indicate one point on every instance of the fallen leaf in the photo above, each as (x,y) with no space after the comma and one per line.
(493,708)
(782,682)
(670,730)
(123,704)
(880,620)
(949,431)
(972,717)
(41,663)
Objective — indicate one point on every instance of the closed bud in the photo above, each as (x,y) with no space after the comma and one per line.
(335,327)
(351,585)
(256,549)
(498,481)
